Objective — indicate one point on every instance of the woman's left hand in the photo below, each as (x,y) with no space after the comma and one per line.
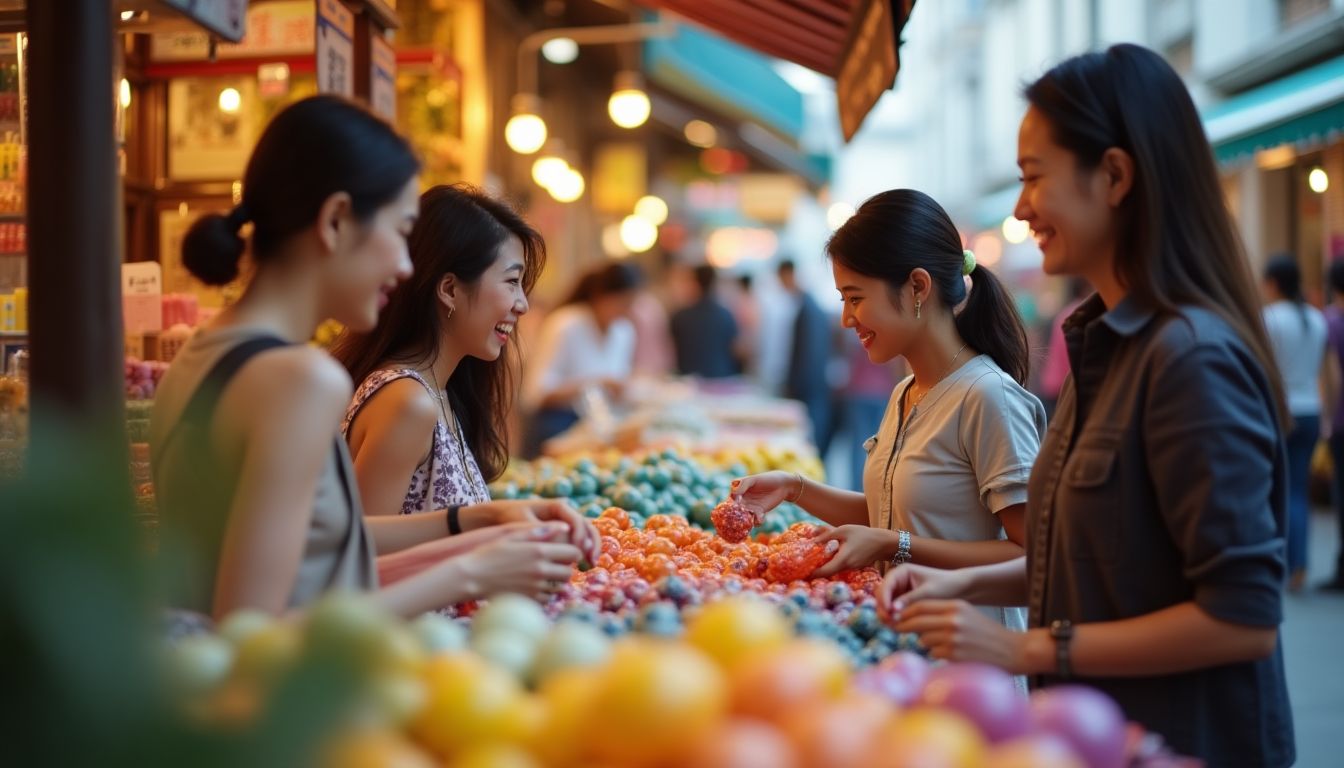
(955,630)
(582,534)
(860,547)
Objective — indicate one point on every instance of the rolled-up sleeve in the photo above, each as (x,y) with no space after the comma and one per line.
(1000,430)
(1216,460)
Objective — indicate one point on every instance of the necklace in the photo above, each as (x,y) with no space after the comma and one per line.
(946,371)
(454,427)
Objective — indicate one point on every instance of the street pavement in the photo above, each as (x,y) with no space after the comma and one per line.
(1313,641)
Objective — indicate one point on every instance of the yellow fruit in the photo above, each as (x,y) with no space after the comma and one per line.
(264,655)
(655,701)
(737,628)
(495,756)
(929,737)
(374,748)
(567,697)
(471,702)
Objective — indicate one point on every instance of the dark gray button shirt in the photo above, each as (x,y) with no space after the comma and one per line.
(1162,480)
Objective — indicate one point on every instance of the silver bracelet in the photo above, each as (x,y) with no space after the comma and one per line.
(801,488)
(902,548)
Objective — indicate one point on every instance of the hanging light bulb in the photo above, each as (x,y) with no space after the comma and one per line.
(629,105)
(230,101)
(638,233)
(547,168)
(568,186)
(652,208)
(560,50)
(526,131)
(124,95)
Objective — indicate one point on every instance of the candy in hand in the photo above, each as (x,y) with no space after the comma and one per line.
(733,521)
(797,560)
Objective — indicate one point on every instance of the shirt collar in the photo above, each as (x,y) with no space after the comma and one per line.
(1128,318)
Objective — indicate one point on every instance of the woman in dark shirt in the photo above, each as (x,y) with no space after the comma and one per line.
(1155,556)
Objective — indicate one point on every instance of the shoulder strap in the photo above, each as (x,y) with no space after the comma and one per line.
(201,407)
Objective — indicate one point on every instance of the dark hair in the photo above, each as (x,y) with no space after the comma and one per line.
(705,275)
(310,151)
(1282,271)
(1176,243)
(785,265)
(615,277)
(1336,275)
(459,232)
(744,280)
(897,231)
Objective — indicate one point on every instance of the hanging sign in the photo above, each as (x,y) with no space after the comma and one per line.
(141,294)
(382,78)
(868,65)
(226,18)
(335,48)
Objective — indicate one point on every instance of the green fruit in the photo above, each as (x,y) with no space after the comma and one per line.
(514,613)
(198,664)
(439,634)
(571,644)
(506,648)
(562,488)
(585,485)
(660,478)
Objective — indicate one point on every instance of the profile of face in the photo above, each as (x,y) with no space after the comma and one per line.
(485,314)
(884,329)
(610,307)
(1071,210)
(369,258)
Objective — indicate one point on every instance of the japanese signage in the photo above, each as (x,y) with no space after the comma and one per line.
(273,30)
(335,48)
(382,78)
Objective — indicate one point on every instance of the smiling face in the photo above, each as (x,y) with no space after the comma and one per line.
(371,259)
(487,312)
(884,330)
(1066,207)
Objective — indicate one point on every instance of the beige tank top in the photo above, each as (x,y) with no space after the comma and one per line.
(194,492)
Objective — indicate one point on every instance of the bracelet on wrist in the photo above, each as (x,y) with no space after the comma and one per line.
(1061,630)
(454,524)
(801,488)
(902,555)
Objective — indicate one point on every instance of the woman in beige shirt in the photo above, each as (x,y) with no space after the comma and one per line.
(945,480)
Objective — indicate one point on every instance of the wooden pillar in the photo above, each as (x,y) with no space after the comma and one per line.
(74,232)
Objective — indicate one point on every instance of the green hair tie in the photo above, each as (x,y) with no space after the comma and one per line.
(967,262)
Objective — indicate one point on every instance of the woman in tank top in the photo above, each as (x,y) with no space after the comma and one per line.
(253,482)
(427,427)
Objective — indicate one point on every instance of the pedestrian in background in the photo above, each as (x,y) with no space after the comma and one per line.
(806,379)
(1297,333)
(705,332)
(1332,404)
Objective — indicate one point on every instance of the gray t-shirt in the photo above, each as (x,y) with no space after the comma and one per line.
(963,455)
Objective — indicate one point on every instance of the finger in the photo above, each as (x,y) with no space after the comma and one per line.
(836,564)
(594,546)
(740,486)
(932,607)
(555,572)
(559,553)
(922,625)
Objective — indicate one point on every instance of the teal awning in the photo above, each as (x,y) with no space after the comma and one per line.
(1304,109)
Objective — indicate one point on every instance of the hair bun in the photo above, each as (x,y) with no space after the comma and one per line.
(212,249)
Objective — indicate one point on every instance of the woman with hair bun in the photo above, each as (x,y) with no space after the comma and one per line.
(253,480)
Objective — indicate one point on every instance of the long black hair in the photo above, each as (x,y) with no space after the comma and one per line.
(459,232)
(899,230)
(1176,243)
(310,151)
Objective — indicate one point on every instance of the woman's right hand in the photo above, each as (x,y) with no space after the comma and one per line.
(762,493)
(909,583)
(531,559)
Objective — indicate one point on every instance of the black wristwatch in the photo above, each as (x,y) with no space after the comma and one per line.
(1062,631)
(454,526)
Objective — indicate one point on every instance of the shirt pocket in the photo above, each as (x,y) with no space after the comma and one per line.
(1091,502)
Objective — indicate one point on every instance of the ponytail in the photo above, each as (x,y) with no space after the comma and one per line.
(214,246)
(990,323)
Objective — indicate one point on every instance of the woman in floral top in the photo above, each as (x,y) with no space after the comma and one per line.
(426,427)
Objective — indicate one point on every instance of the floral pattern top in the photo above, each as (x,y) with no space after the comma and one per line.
(449,474)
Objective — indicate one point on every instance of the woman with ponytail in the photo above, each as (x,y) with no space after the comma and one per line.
(254,484)
(945,483)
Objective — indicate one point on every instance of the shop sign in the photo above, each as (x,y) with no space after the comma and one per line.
(382,78)
(769,197)
(226,18)
(273,30)
(141,296)
(335,48)
(868,65)
(620,176)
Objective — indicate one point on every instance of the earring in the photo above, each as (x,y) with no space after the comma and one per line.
(450,313)
(917,306)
